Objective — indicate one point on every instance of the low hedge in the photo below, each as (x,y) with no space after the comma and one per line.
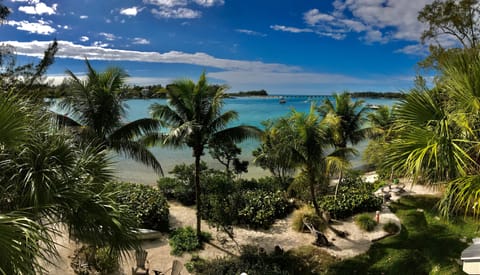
(146,203)
(353,197)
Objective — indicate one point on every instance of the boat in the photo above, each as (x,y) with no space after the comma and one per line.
(372,106)
(282,100)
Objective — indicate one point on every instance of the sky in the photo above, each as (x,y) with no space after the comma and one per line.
(284,47)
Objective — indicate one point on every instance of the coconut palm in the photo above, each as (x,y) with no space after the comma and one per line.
(95,104)
(194,118)
(381,121)
(274,152)
(47,179)
(346,119)
(309,140)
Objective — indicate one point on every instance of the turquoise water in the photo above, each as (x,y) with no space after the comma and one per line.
(251,110)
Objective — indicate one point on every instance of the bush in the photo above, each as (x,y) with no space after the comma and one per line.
(391,228)
(261,208)
(185,239)
(94,260)
(308,213)
(353,197)
(146,203)
(365,222)
(174,189)
(255,261)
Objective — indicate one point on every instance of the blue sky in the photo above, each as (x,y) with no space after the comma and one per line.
(287,46)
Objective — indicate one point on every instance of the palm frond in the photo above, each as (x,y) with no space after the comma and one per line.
(137,151)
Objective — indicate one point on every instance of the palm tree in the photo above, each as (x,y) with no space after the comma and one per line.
(380,133)
(381,121)
(194,118)
(346,125)
(308,136)
(274,152)
(96,104)
(46,179)
(430,140)
(345,118)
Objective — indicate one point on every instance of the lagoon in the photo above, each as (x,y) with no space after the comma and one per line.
(251,110)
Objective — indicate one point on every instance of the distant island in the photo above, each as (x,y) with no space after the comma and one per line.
(391,95)
(249,93)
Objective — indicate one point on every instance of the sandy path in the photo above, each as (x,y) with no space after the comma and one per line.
(280,234)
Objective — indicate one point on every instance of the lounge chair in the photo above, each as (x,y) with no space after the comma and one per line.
(141,268)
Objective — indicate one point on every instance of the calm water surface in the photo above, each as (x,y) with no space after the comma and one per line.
(251,110)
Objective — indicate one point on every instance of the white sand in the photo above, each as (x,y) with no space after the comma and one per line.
(281,234)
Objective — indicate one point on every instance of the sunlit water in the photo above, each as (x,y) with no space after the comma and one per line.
(251,110)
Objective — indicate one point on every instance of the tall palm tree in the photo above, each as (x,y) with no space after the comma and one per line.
(46,179)
(345,119)
(309,141)
(194,118)
(274,152)
(96,105)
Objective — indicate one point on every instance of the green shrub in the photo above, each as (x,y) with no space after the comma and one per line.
(95,260)
(185,239)
(391,228)
(353,197)
(146,203)
(261,208)
(174,189)
(308,213)
(365,222)
(255,261)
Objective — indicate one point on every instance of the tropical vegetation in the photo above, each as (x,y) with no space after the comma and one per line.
(194,118)
(47,181)
(94,105)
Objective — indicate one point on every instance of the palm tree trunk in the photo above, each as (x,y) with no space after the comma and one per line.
(312,193)
(197,195)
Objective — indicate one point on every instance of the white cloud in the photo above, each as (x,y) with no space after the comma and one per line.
(166,3)
(68,49)
(250,32)
(376,20)
(178,13)
(83,16)
(108,36)
(84,38)
(133,11)
(209,3)
(39,27)
(246,77)
(289,29)
(314,16)
(416,49)
(141,41)
(39,9)
(100,44)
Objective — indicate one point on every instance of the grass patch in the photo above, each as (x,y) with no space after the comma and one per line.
(427,243)
(365,222)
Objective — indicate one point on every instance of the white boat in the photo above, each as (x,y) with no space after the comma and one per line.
(282,100)
(372,106)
